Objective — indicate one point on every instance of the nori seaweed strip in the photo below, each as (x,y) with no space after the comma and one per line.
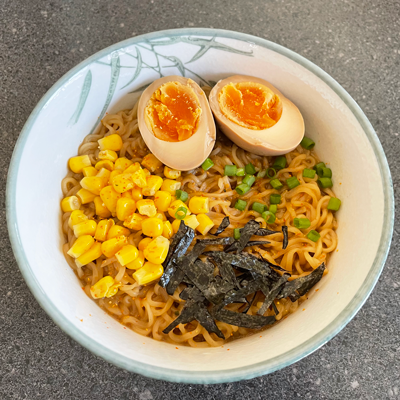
(265,232)
(245,234)
(223,225)
(272,293)
(256,243)
(249,303)
(279,268)
(217,290)
(300,286)
(243,320)
(200,274)
(285,237)
(276,311)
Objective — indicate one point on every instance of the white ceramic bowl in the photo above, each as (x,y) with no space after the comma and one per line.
(109,81)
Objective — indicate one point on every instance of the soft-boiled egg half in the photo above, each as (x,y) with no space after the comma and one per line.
(256,116)
(176,122)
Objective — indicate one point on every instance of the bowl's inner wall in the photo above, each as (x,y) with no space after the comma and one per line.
(57,133)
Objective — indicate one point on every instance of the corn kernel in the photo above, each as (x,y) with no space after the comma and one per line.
(152,227)
(122,183)
(127,194)
(110,198)
(85,196)
(191,221)
(117,230)
(133,168)
(113,174)
(137,263)
(170,186)
(110,247)
(148,273)
(107,164)
(144,243)
(101,209)
(111,142)
(134,222)
(76,164)
(80,246)
(137,194)
(108,155)
(205,223)
(125,207)
(146,207)
(85,228)
(151,162)
(76,217)
(70,203)
(171,173)
(175,225)
(147,173)
(161,215)
(104,173)
(199,205)
(94,183)
(154,183)
(127,254)
(89,171)
(102,229)
(162,200)
(157,250)
(174,207)
(139,178)
(105,287)
(92,254)
(122,163)
(168,230)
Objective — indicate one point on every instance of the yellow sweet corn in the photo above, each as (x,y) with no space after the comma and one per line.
(144,243)
(122,183)
(125,207)
(174,207)
(108,155)
(127,254)
(117,230)
(139,178)
(85,196)
(127,194)
(199,205)
(87,227)
(107,164)
(70,203)
(152,227)
(191,221)
(110,198)
(146,207)
(111,142)
(161,215)
(92,254)
(205,223)
(133,168)
(89,171)
(171,173)
(122,163)
(102,229)
(113,174)
(110,247)
(147,173)
(105,287)
(76,217)
(137,194)
(104,173)
(94,183)
(137,263)
(80,246)
(168,230)
(148,273)
(157,250)
(76,164)
(101,209)
(151,162)
(175,225)
(170,186)
(162,200)
(134,222)
(154,183)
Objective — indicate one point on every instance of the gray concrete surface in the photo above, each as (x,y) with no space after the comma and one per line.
(357,42)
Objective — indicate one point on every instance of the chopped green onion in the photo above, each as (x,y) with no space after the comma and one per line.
(230,170)
(240,172)
(302,223)
(318,167)
(240,205)
(275,198)
(325,173)
(262,173)
(308,173)
(259,207)
(249,180)
(269,175)
(242,188)
(334,204)
(250,169)
(307,143)
(276,184)
(273,208)
(207,164)
(292,182)
(236,233)
(313,235)
(325,182)
(181,195)
(269,217)
(181,213)
(279,163)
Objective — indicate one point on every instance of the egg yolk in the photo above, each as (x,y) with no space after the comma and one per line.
(251,105)
(173,112)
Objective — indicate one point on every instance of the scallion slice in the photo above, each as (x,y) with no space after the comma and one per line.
(292,182)
(242,189)
(271,173)
(325,182)
(276,184)
(259,207)
(181,195)
(334,204)
(325,173)
(302,223)
(207,164)
(236,233)
(309,173)
(273,208)
(230,170)
(269,217)
(313,235)
(249,180)
(279,163)
(307,143)
(250,169)
(240,205)
(181,213)
(240,172)
(275,198)
(262,173)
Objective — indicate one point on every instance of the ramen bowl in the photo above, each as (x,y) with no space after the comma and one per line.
(112,80)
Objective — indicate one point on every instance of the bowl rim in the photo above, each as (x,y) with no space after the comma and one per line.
(227,375)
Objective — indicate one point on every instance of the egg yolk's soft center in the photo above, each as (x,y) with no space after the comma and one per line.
(173,112)
(250,104)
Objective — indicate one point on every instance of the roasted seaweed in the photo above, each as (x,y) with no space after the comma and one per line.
(224,224)
(285,237)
